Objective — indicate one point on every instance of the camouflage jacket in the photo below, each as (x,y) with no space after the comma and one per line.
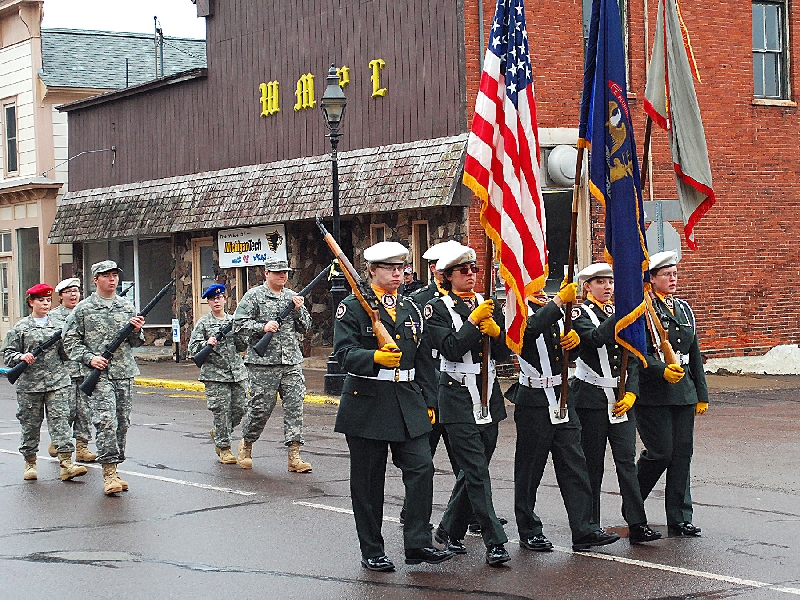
(224,363)
(59,317)
(260,305)
(48,372)
(92,325)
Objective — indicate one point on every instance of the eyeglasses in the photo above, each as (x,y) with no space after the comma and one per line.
(470,268)
(390,267)
(670,275)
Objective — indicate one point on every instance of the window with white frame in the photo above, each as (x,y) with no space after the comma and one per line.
(419,245)
(770,50)
(10,148)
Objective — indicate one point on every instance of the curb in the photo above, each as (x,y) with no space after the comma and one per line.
(199,386)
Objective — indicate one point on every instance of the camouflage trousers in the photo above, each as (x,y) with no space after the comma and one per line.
(31,408)
(266,381)
(110,407)
(80,417)
(226,400)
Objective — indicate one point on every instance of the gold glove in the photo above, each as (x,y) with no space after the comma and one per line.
(432,416)
(490,327)
(388,356)
(673,373)
(568,292)
(484,311)
(624,405)
(570,340)
(701,408)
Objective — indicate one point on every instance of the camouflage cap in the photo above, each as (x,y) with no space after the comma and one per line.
(104,266)
(276,265)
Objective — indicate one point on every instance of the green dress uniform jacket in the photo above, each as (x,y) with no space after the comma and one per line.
(430,356)
(224,363)
(49,371)
(369,408)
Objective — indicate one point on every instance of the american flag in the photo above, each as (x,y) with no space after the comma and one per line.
(502,164)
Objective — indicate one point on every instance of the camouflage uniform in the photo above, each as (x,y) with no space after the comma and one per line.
(224,375)
(43,386)
(279,370)
(79,417)
(94,323)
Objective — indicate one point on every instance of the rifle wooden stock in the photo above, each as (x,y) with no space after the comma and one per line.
(261,347)
(358,286)
(202,356)
(19,368)
(664,346)
(88,385)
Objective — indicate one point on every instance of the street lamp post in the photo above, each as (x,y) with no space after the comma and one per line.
(333,104)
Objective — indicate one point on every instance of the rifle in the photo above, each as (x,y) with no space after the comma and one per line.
(202,356)
(261,347)
(654,321)
(19,369)
(88,385)
(127,289)
(360,289)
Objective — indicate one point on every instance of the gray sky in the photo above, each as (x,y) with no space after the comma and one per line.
(178,18)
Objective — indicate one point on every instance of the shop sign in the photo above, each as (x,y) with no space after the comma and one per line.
(251,246)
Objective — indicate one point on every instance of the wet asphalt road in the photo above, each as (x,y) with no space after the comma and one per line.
(190,527)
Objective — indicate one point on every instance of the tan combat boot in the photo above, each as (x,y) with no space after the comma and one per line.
(297,464)
(217,450)
(51,450)
(111,484)
(82,453)
(68,468)
(30,468)
(245,452)
(121,481)
(226,457)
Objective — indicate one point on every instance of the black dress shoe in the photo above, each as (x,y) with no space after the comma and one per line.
(684,528)
(638,534)
(537,543)
(496,555)
(402,516)
(378,563)
(596,538)
(475,527)
(431,555)
(453,545)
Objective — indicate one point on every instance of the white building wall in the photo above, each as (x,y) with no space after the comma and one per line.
(60,148)
(16,82)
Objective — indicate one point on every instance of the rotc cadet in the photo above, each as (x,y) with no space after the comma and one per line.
(44,385)
(541,431)
(594,393)
(279,369)
(95,322)
(223,373)
(670,397)
(455,324)
(383,407)
(69,291)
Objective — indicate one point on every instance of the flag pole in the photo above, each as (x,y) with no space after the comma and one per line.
(573,243)
(488,263)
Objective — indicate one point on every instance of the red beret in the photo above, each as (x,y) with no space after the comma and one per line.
(40,290)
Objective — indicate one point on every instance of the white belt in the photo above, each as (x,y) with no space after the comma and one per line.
(584,373)
(391,375)
(448,366)
(540,382)
(683,359)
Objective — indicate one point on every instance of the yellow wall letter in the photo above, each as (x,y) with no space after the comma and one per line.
(376,66)
(344,76)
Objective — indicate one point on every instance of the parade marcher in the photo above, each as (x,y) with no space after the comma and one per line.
(94,323)
(455,324)
(69,291)
(541,431)
(594,393)
(223,373)
(670,397)
(43,386)
(383,407)
(279,369)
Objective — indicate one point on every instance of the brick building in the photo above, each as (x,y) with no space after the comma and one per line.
(205,152)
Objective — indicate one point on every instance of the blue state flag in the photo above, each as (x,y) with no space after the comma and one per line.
(606,130)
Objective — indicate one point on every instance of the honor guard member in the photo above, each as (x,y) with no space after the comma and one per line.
(670,397)
(456,324)
(279,369)
(43,386)
(95,322)
(594,393)
(69,291)
(382,407)
(223,373)
(541,431)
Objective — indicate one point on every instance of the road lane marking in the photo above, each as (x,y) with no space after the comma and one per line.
(620,559)
(203,486)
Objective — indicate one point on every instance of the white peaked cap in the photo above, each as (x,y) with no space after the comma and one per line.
(596,270)
(386,252)
(455,255)
(435,251)
(663,259)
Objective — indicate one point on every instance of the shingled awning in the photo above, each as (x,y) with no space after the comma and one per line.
(425,173)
